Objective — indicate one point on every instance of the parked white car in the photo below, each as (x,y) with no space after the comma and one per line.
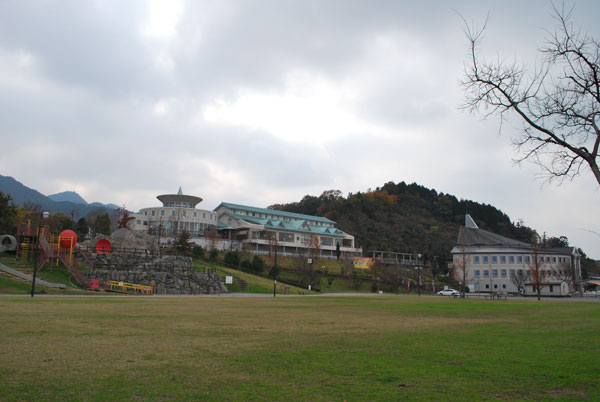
(448,292)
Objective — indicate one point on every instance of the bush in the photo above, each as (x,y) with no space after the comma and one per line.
(274,272)
(246,264)
(232,259)
(213,254)
(258,264)
(198,251)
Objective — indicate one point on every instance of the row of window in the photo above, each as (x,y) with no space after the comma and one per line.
(519,259)
(183,213)
(179,204)
(193,226)
(502,273)
(289,237)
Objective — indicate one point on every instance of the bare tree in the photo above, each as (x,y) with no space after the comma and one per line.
(565,273)
(460,268)
(392,275)
(518,278)
(558,103)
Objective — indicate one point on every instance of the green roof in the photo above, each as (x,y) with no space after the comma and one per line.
(274,212)
(295,226)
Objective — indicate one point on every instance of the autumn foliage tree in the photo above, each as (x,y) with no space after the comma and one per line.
(537,272)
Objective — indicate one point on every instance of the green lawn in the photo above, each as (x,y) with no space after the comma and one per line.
(298,348)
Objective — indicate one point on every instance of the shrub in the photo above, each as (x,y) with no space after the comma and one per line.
(198,251)
(246,264)
(213,254)
(258,264)
(274,272)
(232,259)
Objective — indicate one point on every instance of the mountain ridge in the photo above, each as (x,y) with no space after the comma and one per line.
(21,195)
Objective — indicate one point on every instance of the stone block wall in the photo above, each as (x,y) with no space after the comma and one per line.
(170,274)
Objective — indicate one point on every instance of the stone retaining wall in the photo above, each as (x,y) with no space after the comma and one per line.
(170,274)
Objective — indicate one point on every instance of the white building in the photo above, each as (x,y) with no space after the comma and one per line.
(177,213)
(262,230)
(494,263)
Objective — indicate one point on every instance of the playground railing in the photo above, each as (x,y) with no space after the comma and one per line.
(124,287)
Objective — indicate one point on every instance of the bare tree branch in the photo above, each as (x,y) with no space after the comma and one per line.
(558,104)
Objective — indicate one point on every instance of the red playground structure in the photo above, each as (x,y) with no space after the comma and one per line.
(53,249)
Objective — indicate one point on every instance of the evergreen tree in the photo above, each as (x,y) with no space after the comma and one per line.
(8,214)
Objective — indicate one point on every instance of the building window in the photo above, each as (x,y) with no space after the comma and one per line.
(495,286)
(551,288)
(487,286)
(512,273)
(485,259)
(145,223)
(162,213)
(527,259)
(145,213)
(204,215)
(286,237)
(520,259)
(495,273)
(486,273)
(511,259)
(503,286)
(476,259)
(153,213)
(503,273)
(477,273)
(494,259)
(184,213)
(138,222)
(195,214)
(326,241)
(172,213)
(503,259)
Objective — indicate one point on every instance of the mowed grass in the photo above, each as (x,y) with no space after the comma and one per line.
(298,348)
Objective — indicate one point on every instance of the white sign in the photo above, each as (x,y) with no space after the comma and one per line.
(229,280)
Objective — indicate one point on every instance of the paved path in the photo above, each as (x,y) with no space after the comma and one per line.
(265,295)
(28,277)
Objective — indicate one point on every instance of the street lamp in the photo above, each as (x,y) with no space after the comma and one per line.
(36,253)
(419,269)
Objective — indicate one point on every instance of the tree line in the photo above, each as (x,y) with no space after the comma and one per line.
(97,221)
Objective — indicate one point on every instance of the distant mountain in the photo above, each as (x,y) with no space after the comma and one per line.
(100,205)
(70,196)
(22,195)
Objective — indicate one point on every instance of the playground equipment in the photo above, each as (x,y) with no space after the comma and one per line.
(131,288)
(103,246)
(35,243)
(8,243)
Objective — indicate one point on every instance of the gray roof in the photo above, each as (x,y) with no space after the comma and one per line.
(479,237)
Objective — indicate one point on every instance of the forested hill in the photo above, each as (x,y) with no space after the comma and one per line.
(405,218)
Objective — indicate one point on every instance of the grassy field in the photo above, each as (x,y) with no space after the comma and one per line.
(298,348)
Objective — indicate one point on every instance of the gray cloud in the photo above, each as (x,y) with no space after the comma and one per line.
(90,103)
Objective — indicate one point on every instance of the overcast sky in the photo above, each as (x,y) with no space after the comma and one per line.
(263,102)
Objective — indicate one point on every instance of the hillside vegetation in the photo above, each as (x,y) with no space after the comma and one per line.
(406,218)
